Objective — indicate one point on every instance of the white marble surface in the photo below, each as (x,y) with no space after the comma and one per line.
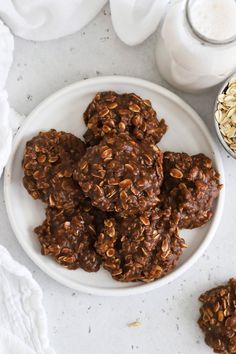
(84,324)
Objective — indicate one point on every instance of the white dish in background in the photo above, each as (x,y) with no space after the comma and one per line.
(220,136)
(63,111)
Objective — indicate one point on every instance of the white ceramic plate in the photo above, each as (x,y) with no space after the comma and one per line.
(63,111)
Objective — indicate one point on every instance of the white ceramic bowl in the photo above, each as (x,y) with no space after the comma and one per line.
(218,132)
(63,111)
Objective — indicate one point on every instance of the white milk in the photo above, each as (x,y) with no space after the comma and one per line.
(184,55)
(214,19)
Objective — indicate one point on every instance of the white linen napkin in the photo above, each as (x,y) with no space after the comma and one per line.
(23,323)
(133,20)
(6,50)
(48,19)
(5,131)
(9,119)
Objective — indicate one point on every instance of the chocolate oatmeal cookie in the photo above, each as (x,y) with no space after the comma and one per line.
(218,317)
(190,186)
(119,113)
(69,236)
(121,175)
(98,215)
(48,165)
(141,248)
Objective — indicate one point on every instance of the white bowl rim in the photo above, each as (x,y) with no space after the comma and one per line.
(175,273)
(218,132)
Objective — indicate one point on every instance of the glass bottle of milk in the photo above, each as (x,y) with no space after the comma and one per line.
(196,46)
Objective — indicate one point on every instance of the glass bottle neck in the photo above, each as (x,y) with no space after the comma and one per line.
(199,35)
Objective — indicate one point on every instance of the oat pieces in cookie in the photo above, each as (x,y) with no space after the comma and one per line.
(140,248)
(191,185)
(119,113)
(218,317)
(48,168)
(69,236)
(121,175)
(98,215)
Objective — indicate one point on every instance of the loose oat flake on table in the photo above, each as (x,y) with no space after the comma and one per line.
(226,114)
(218,317)
(113,202)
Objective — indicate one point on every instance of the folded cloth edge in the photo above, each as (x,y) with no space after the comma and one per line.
(13,267)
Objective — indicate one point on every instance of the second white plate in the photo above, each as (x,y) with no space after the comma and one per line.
(64,111)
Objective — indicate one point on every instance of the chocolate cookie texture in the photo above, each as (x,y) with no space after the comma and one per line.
(120,175)
(144,247)
(218,317)
(48,165)
(69,236)
(110,112)
(190,186)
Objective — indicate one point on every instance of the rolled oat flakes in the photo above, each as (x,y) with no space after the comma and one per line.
(225,114)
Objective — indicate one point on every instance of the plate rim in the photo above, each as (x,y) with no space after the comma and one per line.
(175,274)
